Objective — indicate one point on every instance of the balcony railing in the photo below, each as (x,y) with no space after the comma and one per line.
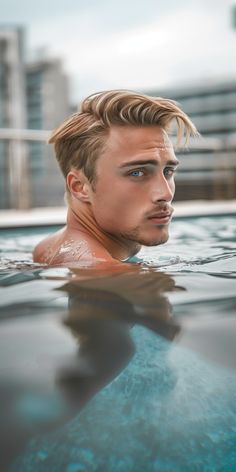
(29,175)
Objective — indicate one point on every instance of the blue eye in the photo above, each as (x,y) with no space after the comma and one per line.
(137,173)
(169,172)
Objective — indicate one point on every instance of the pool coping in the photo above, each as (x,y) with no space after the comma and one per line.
(57,215)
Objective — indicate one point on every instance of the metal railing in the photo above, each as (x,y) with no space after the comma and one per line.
(209,161)
(18,160)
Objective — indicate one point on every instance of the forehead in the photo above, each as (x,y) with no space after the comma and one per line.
(127,141)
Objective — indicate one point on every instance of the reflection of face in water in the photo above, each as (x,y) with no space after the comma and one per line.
(101,313)
(103,308)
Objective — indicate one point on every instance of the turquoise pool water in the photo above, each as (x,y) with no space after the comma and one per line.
(121,372)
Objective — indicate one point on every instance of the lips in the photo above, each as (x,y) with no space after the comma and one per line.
(160,218)
(160,215)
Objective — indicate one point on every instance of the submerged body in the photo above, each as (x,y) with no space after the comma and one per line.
(129,205)
(187,398)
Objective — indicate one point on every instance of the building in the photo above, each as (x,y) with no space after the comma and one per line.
(33,96)
(12,114)
(47,100)
(208,169)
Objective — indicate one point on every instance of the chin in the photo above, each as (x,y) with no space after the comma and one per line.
(156,240)
(147,238)
(153,241)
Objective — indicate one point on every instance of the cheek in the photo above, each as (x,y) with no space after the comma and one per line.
(114,205)
(116,208)
(115,195)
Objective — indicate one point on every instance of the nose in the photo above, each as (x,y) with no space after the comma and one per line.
(163,190)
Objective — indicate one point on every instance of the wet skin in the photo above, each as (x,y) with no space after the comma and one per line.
(128,206)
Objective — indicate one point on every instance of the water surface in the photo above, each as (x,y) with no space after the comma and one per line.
(103,371)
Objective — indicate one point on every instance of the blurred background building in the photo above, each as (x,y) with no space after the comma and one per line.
(208,168)
(34,99)
(47,105)
(12,108)
(33,96)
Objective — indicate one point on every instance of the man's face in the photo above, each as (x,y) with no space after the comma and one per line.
(135,184)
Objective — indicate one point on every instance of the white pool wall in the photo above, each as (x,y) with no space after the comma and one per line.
(57,216)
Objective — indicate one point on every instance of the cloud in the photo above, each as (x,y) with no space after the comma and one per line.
(134,44)
(179,46)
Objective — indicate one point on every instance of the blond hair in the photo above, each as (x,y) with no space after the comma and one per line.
(81,138)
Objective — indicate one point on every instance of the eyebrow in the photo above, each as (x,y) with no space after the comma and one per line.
(153,162)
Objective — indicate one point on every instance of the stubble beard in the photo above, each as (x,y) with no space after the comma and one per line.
(135,236)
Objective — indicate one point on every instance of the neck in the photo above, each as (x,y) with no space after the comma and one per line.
(81,219)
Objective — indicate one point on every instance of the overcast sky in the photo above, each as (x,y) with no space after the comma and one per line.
(135,44)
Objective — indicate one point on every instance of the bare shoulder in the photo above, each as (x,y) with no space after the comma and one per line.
(45,249)
(66,247)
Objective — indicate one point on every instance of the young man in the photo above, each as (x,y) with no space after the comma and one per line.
(119,166)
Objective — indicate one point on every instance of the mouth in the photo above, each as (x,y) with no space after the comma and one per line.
(160,218)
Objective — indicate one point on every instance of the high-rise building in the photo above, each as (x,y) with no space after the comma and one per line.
(47,105)
(33,96)
(208,169)
(12,113)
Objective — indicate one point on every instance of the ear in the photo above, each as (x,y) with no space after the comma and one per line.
(78,185)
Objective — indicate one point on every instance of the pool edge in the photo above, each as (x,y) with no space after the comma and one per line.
(57,215)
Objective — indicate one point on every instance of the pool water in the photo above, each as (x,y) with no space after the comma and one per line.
(128,372)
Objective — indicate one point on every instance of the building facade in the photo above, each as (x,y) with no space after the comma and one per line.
(47,98)
(208,169)
(12,114)
(33,96)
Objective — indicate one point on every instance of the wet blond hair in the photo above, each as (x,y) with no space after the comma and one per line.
(81,138)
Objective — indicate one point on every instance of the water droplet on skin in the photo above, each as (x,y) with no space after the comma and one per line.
(79,249)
